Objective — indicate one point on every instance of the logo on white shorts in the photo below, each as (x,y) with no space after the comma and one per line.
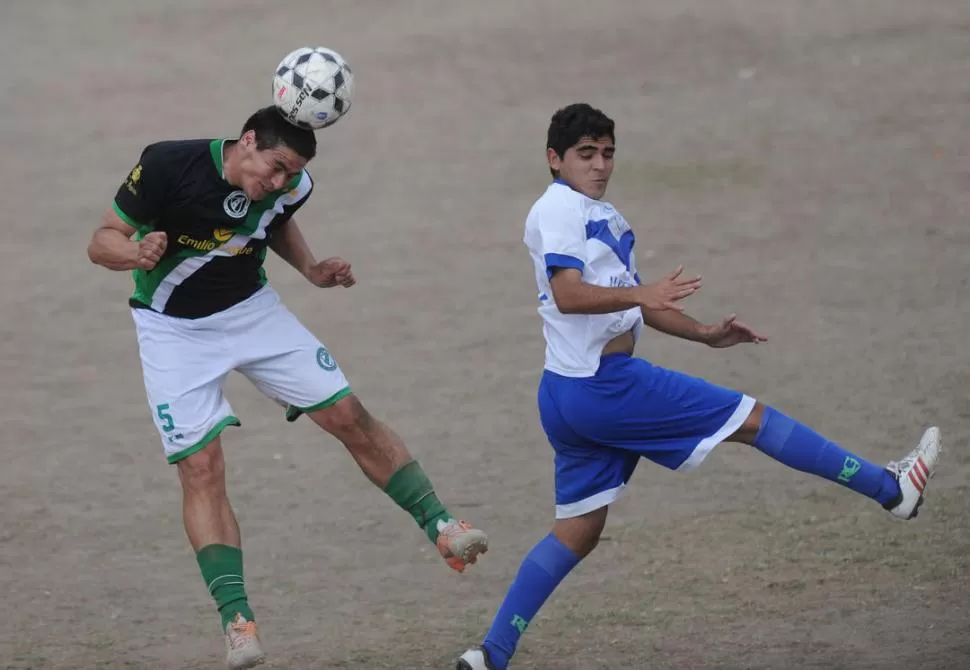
(236,204)
(325,360)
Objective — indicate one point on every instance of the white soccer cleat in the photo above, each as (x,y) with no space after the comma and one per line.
(243,649)
(459,543)
(474,659)
(913,474)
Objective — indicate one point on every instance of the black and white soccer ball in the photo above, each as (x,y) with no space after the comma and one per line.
(313,87)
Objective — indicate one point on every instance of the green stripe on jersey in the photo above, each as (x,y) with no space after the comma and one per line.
(142,228)
(257,210)
(215,148)
(146,282)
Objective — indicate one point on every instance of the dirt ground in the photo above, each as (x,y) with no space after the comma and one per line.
(809,158)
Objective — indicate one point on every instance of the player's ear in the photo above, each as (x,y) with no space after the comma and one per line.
(555,162)
(248,139)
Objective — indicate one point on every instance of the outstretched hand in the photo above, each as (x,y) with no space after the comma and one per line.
(729,332)
(331,272)
(668,292)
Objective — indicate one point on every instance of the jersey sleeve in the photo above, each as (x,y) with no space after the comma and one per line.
(140,200)
(561,238)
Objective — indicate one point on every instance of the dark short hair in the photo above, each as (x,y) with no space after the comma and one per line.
(272,129)
(574,122)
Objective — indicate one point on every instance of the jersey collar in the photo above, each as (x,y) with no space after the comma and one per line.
(216,148)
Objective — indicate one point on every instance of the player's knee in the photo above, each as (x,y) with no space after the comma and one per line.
(345,417)
(586,541)
(592,542)
(581,534)
(748,431)
(203,470)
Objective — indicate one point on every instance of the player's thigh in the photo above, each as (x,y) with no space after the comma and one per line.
(588,475)
(667,416)
(290,365)
(184,372)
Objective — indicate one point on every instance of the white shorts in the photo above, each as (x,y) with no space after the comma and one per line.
(185,363)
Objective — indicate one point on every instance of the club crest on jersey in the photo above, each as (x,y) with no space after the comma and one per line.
(617,226)
(236,204)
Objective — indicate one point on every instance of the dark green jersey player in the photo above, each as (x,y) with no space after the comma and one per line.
(217,235)
(193,221)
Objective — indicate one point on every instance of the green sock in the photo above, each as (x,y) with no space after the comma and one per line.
(411,489)
(222,570)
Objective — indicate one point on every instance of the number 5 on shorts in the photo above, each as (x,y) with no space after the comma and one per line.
(168,423)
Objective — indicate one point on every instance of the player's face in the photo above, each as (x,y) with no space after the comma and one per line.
(587,166)
(263,171)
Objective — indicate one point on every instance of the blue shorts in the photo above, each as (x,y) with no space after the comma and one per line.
(601,426)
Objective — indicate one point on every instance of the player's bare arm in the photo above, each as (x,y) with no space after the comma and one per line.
(290,245)
(574,296)
(112,247)
(725,333)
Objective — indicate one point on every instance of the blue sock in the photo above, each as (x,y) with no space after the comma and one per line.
(540,573)
(800,447)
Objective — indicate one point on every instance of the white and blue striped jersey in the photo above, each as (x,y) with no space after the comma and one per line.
(566,229)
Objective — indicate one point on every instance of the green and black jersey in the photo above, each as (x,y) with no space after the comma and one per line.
(217,237)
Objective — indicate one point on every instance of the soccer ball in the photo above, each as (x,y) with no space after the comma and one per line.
(313,87)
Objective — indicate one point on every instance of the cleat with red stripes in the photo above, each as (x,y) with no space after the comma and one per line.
(913,474)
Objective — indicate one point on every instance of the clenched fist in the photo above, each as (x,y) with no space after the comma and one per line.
(150,249)
(331,272)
